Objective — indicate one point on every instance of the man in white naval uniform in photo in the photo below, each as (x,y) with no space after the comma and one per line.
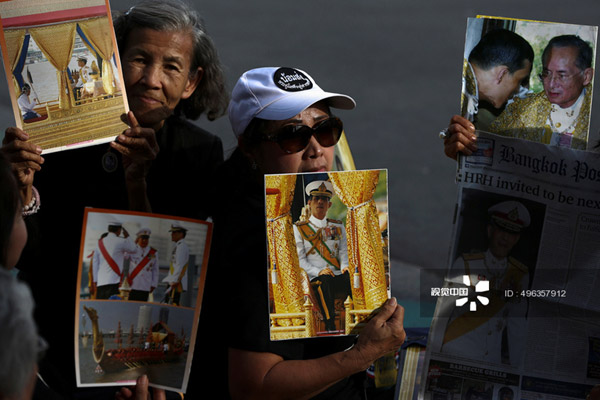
(84,77)
(26,104)
(143,269)
(494,331)
(323,250)
(108,260)
(178,270)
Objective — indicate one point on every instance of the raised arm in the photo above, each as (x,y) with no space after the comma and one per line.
(461,137)
(139,148)
(254,375)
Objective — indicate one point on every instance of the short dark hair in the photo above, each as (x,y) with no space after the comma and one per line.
(584,50)
(114,228)
(183,231)
(10,204)
(210,97)
(501,47)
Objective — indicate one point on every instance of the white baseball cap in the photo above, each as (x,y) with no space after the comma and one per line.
(277,93)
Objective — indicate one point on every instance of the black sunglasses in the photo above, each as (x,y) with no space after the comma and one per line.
(295,138)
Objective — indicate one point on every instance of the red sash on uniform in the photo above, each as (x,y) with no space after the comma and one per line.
(141,265)
(113,265)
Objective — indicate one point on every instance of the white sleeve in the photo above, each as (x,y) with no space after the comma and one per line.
(25,105)
(182,256)
(128,246)
(95,264)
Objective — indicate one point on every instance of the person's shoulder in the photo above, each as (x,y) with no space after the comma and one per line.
(528,100)
(518,264)
(182,126)
(473,256)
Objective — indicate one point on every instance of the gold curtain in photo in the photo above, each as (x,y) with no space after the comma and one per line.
(14,45)
(284,268)
(56,42)
(97,31)
(365,255)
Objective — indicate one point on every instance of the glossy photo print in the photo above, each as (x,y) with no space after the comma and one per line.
(63,71)
(141,280)
(328,255)
(528,79)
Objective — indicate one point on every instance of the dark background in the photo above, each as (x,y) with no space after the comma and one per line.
(402,62)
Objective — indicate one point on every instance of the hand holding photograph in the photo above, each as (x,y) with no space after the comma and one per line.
(141,284)
(64,75)
(328,254)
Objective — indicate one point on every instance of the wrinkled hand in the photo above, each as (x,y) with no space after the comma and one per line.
(23,156)
(326,271)
(138,147)
(461,137)
(140,391)
(383,334)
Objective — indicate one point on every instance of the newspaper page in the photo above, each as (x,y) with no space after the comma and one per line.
(141,279)
(63,70)
(529,79)
(328,251)
(518,315)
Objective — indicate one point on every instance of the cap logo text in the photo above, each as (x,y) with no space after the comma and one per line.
(291,80)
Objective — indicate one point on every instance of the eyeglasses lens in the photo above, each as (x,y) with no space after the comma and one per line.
(294,138)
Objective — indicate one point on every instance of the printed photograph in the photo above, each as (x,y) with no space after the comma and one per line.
(497,244)
(143,257)
(63,71)
(117,342)
(141,284)
(531,80)
(328,251)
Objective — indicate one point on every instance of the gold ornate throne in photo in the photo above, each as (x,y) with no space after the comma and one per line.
(294,312)
(365,245)
(63,119)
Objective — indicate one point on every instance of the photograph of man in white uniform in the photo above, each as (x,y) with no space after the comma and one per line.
(143,269)
(323,251)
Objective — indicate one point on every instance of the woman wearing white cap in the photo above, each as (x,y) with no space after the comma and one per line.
(283,123)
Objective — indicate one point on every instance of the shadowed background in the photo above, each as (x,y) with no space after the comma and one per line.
(402,63)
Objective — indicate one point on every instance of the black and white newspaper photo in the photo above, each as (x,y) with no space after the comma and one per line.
(519,294)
